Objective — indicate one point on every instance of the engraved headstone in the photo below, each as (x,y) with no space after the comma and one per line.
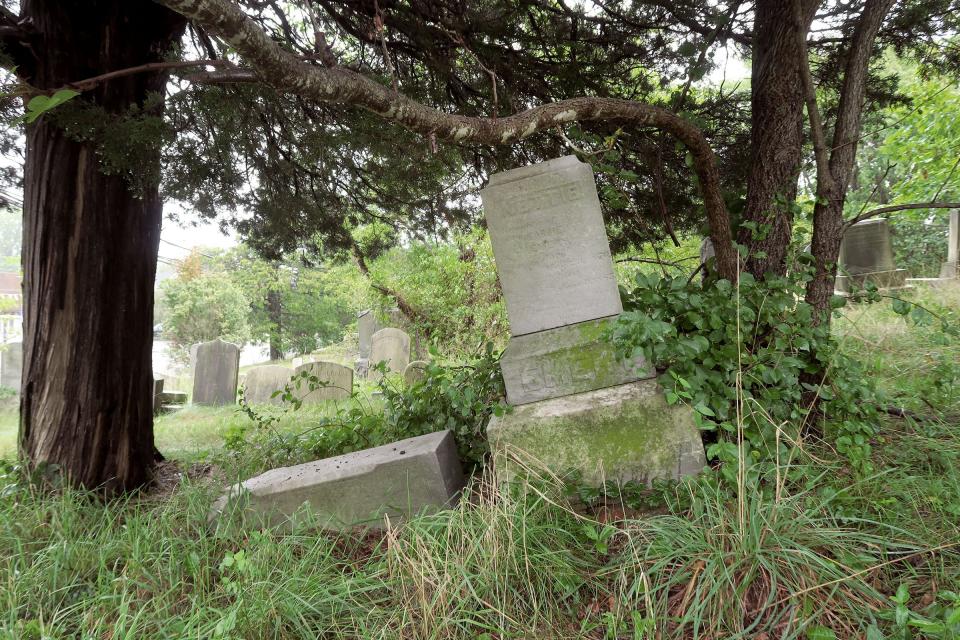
(949,268)
(261,382)
(577,403)
(11,365)
(392,346)
(415,372)
(334,382)
(215,373)
(866,255)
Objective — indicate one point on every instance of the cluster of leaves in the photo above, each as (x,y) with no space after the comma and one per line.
(460,398)
(201,308)
(749,358)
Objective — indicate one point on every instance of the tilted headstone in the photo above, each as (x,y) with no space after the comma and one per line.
(577,403)
(949,268)
(866,255)
(11,365)
(397,480)
(334,382)
(215,373)
(261,383)
(157,391)
(415,372)
(390,345)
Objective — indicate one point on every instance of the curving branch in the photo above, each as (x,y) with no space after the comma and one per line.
(901,207)
(287,73)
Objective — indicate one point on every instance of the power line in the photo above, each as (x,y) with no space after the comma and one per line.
(173,244)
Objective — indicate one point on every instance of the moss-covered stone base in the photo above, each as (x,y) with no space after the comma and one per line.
(622,433)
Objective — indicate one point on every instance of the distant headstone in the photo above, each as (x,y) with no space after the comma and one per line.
(338,379)
(11,365)
(390,345)
(366,327)
(304,359)
(398,480)
(215,373)
(866,255)
(157,391)
(415,372)
(261,382)
(949,268)
(577,404)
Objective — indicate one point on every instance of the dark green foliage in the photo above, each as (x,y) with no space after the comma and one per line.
(742,355)
(920,246)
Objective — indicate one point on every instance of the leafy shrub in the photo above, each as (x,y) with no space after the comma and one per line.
(457,397)
(751,348)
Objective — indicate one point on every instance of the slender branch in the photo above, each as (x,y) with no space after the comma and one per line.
(89,83)
(902,207)
(285,72)
(819,139)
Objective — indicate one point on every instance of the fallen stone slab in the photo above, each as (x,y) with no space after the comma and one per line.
(399,480)
(172,397)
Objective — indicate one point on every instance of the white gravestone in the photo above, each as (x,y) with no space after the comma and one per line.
(261,382)
(392,346)
(215,373)
(11,365)
(949,268)
(334,382)
(578,404)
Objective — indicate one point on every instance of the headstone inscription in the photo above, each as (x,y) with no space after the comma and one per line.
(11,365)
(390,345)
(866,255)
(334,382)
(577,404)
(398,480)
(949,268)
(215,373)
(261,383)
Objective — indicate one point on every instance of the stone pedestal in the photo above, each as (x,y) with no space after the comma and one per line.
(949,268)
(624,433)
(866,256)
(577,405)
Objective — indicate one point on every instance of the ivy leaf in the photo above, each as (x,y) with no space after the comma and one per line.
(39,105)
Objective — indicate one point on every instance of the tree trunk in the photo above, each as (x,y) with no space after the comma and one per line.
(776,140)
(275,311)
(89,256)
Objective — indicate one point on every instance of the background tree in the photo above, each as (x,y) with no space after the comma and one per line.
(203,308)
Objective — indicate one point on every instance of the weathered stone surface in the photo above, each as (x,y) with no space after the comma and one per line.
(261,382)
(215,373)
(157,391)
(866,248)
(550,245)
(172,397)
(415,372)
(367,325)
(564,361)
(390,345)
(11,365)
(627,432)
(362,367)
(339,381)
(399,480)
(949,268)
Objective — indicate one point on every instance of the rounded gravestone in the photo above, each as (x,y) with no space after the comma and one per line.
(215,373)
(261,383)
(11,365)
(415,372)
(391,346)
(338,381)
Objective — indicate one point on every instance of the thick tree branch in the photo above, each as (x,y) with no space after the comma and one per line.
(820,151)
(286,73)
(17,41)
(901,207)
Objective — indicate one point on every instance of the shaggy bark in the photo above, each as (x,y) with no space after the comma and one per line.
(285,72)
(776,130)
(833,177)
(89,257)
